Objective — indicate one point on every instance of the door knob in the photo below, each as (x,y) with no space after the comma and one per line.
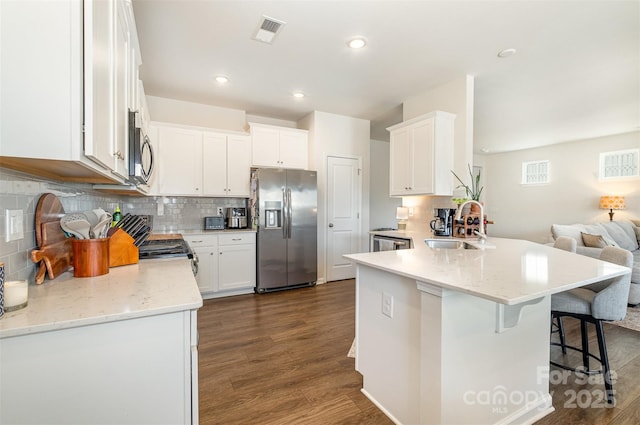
(330,224)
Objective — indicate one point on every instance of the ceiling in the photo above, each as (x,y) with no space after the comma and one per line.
(576,73)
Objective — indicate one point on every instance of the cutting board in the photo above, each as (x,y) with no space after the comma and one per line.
(54,250)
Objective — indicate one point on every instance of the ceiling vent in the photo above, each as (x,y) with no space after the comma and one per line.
(268,29)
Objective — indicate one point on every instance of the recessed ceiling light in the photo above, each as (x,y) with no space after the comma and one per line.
(506,53)
(222,79)
(357,43)
(298,95)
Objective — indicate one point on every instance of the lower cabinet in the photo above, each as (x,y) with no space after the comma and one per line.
(136,371)
(226,263)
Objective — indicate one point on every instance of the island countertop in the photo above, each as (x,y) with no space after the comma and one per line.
(507,271)
(148,288)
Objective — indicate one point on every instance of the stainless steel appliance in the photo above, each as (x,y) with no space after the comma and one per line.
(214,223)
(236,218)
(284,213)
(140,153)
(168,248)
(443,223)
(387,243)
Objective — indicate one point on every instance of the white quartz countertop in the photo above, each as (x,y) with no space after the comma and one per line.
(148,288)
(203,232)
(507,271)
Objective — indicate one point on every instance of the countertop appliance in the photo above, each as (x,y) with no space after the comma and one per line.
(284,212)
(443,223)
(236,218)
(214,223)
(140,153)
(387,243)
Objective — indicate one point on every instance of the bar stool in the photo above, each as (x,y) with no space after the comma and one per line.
(567,244)
(596,303)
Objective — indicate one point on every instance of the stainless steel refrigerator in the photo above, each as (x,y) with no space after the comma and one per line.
(284,213)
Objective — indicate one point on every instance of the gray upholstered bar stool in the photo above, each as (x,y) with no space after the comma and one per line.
(567,244)
(596,303)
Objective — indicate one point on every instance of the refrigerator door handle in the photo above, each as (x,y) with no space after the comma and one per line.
(285,218)
(289,214)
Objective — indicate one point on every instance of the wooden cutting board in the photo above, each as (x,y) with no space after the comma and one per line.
(54,250)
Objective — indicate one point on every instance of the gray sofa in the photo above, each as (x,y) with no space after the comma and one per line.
(591,238)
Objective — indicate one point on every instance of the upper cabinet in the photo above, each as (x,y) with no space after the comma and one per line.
(194,162)
(281,147)
(421,155)
(67,73)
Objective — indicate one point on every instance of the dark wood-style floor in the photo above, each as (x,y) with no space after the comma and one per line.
(281,358)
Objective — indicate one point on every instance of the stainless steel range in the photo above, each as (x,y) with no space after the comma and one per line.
(168,248)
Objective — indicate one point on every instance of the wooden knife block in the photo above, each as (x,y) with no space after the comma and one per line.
(122,251)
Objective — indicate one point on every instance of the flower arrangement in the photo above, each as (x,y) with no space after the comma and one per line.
(474,191)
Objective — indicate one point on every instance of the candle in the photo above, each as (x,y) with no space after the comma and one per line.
(16,294)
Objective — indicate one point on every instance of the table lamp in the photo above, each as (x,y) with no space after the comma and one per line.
(402,215)
(612,203)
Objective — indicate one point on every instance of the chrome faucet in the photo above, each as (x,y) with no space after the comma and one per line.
(480,233)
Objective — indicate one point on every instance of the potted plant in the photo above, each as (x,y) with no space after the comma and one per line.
(473,191)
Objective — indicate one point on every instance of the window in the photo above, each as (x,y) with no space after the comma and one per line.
(535,172)
(619,164)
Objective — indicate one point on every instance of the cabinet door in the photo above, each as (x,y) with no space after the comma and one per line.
(207,276)
(293,149)
(400,162)
(238,166)
(422,158)
(265,150)
(122,56)
(237,267)
(98,82)
(180,161)
(214,164)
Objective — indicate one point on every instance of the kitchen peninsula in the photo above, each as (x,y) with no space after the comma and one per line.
(461,336)
(117,348)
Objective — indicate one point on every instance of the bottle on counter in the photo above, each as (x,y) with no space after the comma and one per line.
(117,216)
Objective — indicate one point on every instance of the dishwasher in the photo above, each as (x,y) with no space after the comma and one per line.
(388,243)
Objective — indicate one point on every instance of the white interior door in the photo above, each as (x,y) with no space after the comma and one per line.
(343,216)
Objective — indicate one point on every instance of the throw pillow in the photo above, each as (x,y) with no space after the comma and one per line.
(593,241)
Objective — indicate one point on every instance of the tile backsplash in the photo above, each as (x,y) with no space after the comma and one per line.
(22,191)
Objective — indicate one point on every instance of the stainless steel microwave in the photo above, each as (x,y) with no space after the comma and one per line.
(140,153)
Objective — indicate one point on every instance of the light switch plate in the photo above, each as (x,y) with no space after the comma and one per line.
(387,304)
(14,225)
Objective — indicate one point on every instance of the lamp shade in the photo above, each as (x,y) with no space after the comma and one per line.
(612,202)
(402,213)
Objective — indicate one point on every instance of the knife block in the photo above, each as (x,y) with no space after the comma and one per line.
(122,251)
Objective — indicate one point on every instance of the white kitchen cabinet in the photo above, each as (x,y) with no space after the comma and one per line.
(226,262)
(282,147)
(69,122)
(179,161)
(237,266)
(132,371)
(227,165)
(421,155)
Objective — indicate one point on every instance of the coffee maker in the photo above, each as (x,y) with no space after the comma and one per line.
(443,223)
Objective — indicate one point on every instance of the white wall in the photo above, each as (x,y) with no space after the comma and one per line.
(196,114)
(527,212)
(271,121)
(382,206)
(337,135)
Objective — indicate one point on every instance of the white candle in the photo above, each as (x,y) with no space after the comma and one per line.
(16,293)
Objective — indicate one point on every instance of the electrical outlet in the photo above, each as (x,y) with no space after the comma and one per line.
(220,211)
(14,225)
(387,304)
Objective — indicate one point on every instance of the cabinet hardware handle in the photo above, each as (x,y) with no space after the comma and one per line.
(196,241)
(119,155)
(236,239)
(330,224)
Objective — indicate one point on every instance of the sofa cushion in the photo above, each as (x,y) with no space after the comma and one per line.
(575,231)
(622,233)
(593,241)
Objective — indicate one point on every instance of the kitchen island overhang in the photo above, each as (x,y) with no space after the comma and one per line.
(467,337)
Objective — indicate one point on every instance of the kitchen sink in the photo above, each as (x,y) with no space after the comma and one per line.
(448,244)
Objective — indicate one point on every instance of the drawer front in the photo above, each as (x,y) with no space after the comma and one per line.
(237,238)
(201,240)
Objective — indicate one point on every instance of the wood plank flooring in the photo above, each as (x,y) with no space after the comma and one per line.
(281,358)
